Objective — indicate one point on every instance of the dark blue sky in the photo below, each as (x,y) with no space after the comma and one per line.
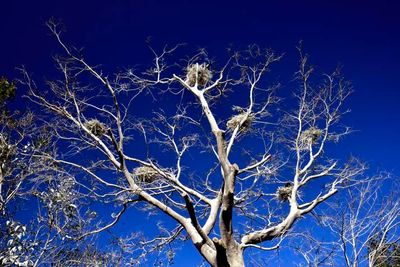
(363,36)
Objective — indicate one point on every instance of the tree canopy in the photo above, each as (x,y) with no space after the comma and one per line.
(209,151)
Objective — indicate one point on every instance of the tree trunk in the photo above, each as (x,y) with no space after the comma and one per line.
(231,257)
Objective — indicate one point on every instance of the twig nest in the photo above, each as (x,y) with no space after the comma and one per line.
(235,121)
(96,127)
(145,174)
(198,72)
(309,136)
(283,193)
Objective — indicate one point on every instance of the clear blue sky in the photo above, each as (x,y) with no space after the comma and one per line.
(363,36)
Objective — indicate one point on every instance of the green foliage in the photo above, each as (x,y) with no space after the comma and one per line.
(7,90)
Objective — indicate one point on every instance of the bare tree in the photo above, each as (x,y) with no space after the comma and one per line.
(228,183)
(367,225)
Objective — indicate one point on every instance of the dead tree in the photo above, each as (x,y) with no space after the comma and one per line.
(225,198)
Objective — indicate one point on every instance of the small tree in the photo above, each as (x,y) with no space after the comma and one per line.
(225,199)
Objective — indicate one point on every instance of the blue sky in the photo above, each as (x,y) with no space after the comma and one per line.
(363,36)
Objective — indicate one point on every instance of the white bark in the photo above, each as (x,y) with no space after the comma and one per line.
(193,205)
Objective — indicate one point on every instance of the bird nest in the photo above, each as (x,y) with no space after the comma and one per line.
(237,120)
(198,72)
(309,136)
(145,174)
(283,193)
(96,127)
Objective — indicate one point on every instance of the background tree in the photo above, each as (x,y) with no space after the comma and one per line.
(369,225)
(17,169)
(363,231)
(41,234)
(8,185)
(383,253)
(228,183)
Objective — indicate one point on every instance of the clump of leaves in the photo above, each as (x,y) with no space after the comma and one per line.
(18,248)
(283,193)
(61,200)
(42,139)
(7,89)
(6,151)
(242,120)
(146,174)
(61,196)
(198,72)
(96,127)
